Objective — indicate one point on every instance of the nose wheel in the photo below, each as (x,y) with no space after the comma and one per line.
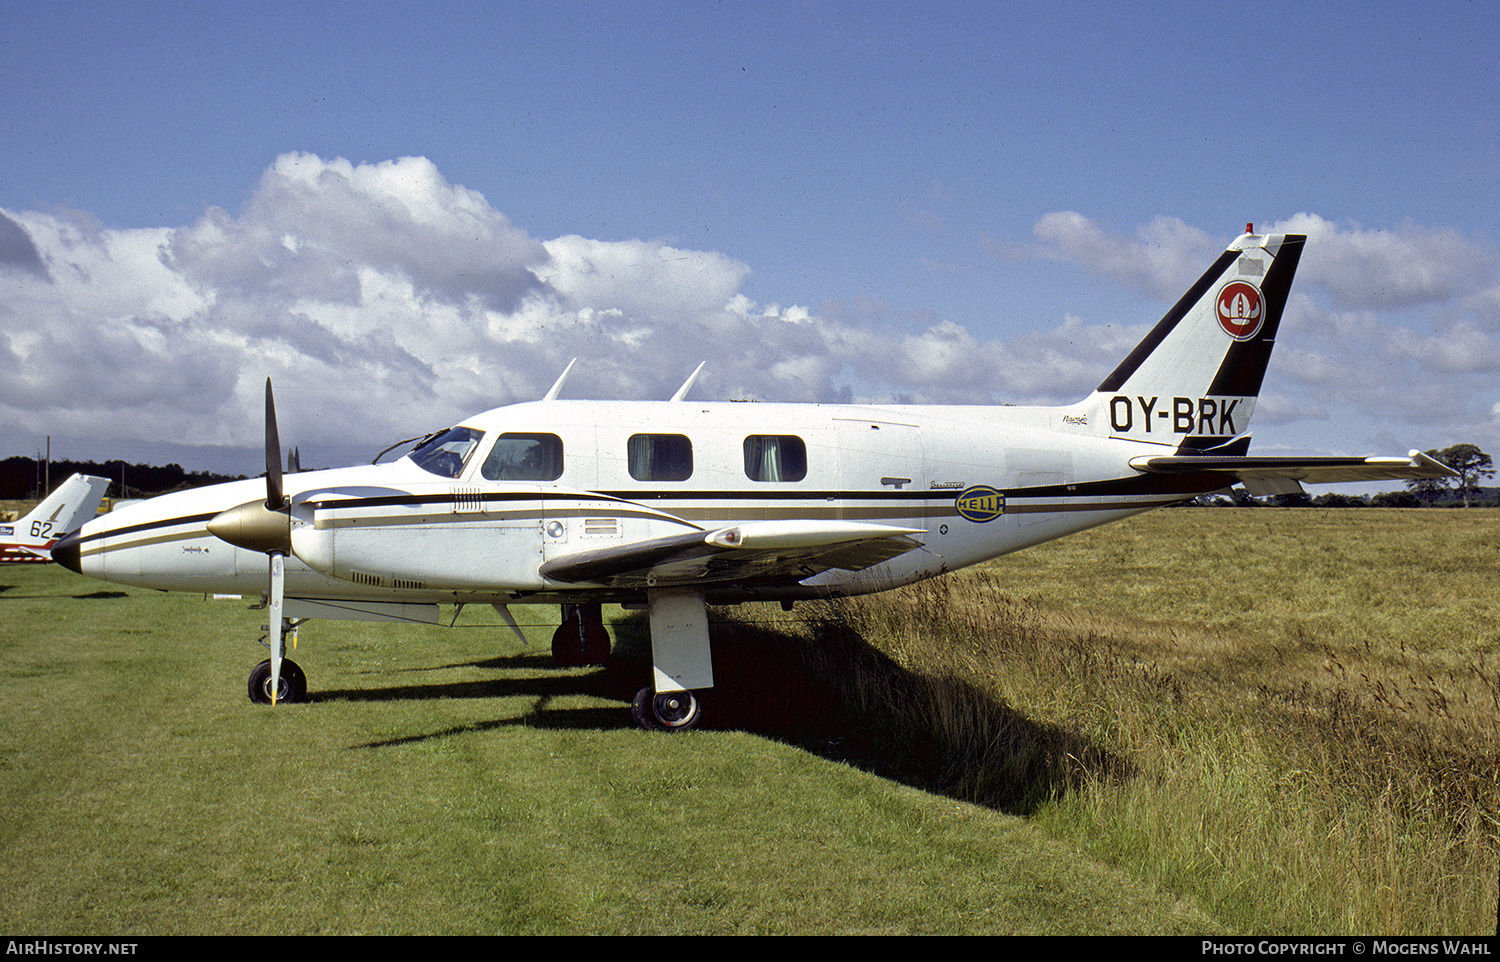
(291,687)
(666,711)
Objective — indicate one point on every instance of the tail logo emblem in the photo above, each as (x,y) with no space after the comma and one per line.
(1240,310)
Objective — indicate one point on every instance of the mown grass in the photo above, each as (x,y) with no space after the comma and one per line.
(451,781)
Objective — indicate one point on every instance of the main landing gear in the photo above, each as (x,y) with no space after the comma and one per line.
(681,661)
(581,639)
(679,650)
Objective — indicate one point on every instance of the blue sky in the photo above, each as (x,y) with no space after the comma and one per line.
(937,202)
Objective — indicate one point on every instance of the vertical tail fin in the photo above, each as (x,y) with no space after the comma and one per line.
(1192,382)
(66,509)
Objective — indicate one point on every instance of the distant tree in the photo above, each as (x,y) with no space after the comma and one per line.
(1427,490)
(1471,464)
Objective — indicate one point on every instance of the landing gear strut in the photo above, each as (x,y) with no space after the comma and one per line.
(667,711)
(581,639)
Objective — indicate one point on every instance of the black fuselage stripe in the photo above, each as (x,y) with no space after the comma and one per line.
(1184,485)
(202,519)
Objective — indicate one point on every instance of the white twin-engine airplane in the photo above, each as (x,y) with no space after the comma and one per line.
(30,540)
(677,505)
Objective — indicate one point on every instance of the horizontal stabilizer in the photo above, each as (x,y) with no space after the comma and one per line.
(1269,470)
(779,550)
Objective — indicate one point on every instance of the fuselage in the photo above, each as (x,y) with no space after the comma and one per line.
(474,513)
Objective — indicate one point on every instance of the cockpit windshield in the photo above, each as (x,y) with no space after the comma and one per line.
(446,454)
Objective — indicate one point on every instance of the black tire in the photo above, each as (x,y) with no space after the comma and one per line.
(293,687)
(668,711)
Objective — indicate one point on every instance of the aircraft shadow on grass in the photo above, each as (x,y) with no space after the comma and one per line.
(834,695)
(89,596)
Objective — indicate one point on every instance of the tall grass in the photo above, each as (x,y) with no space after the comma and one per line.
(1286,779)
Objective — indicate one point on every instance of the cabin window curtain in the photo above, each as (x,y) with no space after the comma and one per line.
(659,457)
(775,457)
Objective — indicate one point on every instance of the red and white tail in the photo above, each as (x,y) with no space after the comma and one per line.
(30,540)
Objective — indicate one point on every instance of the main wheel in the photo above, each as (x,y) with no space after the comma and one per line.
(291,688)
(668,711)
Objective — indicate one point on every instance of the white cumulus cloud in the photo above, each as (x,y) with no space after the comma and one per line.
(385,301)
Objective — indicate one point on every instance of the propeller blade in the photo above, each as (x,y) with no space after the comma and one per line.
(275,495)
(274,607)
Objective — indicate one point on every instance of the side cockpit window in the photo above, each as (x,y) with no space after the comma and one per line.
(524,457)
(660,457)
(446,454)
(775,457)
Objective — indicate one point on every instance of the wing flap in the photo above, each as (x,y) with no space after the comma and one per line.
(753,551)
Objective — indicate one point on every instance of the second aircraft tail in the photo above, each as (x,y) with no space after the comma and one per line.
(66,509)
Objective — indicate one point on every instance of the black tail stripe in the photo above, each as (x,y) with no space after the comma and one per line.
(1244,365)
(1167,323)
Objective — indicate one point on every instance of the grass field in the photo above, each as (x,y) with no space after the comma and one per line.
(1308,702)
(1197,721)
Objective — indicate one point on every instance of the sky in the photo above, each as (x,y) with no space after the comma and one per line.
(406,213)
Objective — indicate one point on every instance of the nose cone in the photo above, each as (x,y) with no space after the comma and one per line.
(66,552)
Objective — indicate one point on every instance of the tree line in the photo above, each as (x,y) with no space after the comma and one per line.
(23,479)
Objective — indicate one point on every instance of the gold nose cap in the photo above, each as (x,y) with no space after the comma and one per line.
(254,527)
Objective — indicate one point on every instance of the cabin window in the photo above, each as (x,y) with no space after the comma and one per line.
(524,457)
(775,457)
(660,457)
(446,454)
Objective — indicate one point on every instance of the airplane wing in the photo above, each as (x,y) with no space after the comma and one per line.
(755,550)
(1272,475)
(11,554)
